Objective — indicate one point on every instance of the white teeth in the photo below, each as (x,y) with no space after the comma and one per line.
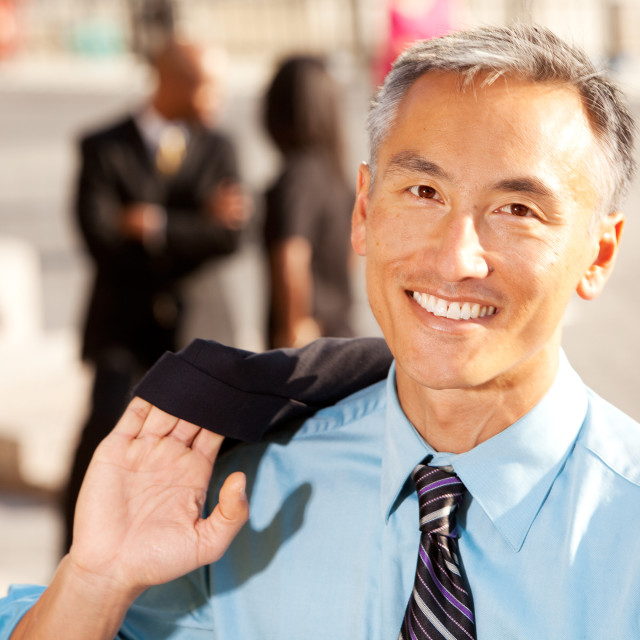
(452,310)
(441,308)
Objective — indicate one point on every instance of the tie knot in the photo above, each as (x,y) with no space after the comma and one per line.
(440,493)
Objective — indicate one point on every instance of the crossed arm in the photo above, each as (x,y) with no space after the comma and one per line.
(138,523)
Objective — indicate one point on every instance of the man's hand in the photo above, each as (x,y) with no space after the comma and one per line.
(230,206)
(144,223)
(138,519)
(138,523)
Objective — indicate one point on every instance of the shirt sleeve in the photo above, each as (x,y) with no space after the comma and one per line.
(178,610)
(13,607)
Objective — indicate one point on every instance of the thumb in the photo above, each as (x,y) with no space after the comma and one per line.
(231,512)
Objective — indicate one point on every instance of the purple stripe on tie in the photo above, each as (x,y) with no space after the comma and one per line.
(439,483)
(410,625)
(450,597)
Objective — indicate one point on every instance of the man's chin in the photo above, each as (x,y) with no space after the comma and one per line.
(441,377)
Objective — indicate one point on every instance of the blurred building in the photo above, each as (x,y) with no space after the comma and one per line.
(265,29)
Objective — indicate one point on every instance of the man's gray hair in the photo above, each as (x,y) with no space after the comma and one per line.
(530,52)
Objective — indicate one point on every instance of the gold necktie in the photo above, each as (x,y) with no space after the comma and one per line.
(171,149)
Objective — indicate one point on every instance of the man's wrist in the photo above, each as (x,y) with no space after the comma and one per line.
(103,588)
(77,605)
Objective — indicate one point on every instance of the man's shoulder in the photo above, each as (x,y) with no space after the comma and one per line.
(357,418)
(362,412)
(114,129)
(363,406)
(613,437)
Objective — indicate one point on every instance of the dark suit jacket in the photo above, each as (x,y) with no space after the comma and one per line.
(135,303)
(242,395)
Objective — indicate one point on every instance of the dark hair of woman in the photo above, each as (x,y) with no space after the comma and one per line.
(302,111)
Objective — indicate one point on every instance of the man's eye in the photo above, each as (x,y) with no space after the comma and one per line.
(424,191)
(516,209)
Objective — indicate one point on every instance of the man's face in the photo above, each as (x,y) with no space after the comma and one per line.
(481,211)
(197,88)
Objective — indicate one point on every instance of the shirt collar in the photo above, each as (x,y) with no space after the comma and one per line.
(509,475)
(152,124)
(404,448)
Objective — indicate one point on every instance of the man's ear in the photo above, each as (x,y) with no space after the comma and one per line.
(359,216)
(594,279)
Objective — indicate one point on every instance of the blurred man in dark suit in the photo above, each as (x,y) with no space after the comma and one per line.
(158,195)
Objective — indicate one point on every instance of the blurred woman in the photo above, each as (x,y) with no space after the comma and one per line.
(308,208)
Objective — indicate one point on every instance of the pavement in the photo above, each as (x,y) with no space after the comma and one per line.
(44,105)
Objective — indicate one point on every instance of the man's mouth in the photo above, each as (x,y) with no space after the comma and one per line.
(452,310)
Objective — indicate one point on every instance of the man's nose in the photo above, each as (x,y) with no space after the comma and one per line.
(460,254)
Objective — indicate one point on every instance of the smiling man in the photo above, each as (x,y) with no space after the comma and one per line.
(482,220)
(481,491)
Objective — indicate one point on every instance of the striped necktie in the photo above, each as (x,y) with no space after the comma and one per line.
(440,605)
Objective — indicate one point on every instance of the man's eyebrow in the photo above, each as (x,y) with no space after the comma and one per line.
(530,186)
(411,162)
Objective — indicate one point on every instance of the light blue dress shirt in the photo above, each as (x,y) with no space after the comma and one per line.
(549,531)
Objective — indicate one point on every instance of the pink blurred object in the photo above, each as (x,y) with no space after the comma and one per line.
(9,30)
(409,21)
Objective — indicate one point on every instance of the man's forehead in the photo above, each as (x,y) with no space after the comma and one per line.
(436,97)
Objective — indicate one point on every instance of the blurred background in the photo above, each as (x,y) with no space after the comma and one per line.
(70,65)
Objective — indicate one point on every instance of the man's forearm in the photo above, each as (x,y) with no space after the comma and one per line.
(75,606)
